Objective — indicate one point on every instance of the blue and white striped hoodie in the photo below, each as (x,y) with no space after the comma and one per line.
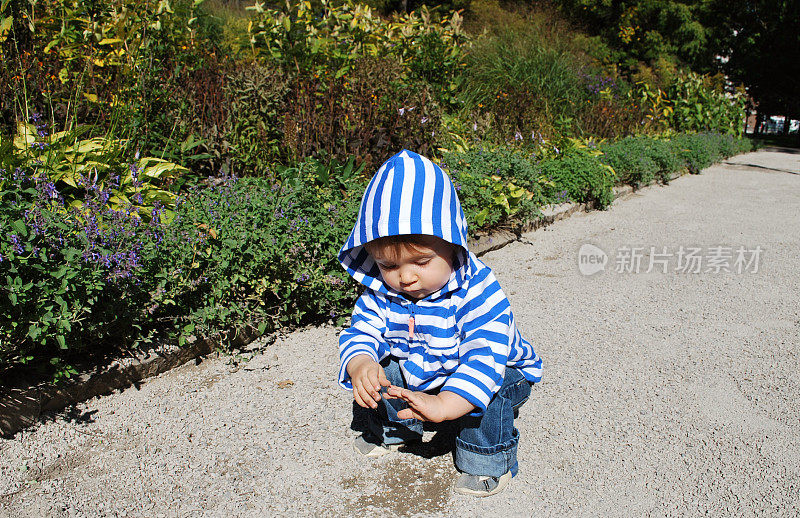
(464,335)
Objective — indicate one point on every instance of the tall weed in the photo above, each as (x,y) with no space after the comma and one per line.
(525,83)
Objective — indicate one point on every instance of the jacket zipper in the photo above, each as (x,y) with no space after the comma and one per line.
(411,322)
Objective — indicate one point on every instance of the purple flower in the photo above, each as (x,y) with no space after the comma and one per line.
(423,120)
(49,190)
(16,244)
(518,136)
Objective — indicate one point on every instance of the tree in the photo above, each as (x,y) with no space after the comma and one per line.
(761,40)
(648,30)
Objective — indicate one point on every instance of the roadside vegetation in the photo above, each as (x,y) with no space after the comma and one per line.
(179,169)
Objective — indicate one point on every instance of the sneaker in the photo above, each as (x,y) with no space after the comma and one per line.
(373,449)
(476,485)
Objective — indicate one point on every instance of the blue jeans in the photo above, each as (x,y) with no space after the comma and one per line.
(485,445)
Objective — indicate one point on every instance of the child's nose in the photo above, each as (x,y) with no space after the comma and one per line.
(407,276)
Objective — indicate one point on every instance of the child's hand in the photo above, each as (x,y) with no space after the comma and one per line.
(367,377)
(428,407)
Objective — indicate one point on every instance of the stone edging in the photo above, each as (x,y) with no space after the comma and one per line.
(22,407)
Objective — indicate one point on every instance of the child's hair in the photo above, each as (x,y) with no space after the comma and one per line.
(395,244)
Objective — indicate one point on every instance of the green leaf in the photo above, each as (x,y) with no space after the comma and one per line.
(71,253)
(20,227)
(62,342)
(481,216)
(34,331)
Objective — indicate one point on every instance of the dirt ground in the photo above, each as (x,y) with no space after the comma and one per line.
(665,392)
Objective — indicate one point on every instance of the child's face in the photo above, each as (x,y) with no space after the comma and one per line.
(415,270)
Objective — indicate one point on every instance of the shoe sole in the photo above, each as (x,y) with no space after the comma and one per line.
(501,484)
(379,450)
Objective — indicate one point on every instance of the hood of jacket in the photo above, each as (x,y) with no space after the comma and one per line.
(408,195)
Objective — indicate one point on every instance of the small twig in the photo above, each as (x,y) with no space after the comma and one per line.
(12,493)
(90,433)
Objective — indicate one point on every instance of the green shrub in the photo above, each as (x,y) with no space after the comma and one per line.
(253,252)
(697,151)
(700,150)
(640,160)
(730,145)
(73,276)
(699,106)
(328,39)
(79,280)
(495,186)
(631,160)
(582,176)
(506,162)
(663,153)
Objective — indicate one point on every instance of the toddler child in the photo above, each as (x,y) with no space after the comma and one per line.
(432,337)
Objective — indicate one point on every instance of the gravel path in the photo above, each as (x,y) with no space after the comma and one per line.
(664,393)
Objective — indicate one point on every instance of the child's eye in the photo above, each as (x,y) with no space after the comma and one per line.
(423,262)
(387,266)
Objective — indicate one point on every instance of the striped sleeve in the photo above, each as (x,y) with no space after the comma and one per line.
(364,336)
(485,345)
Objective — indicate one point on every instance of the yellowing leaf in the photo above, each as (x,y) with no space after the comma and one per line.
(109,41)
(88,146)
(92,98)
(69,180)
(5,26)
(26,135)
(162,168)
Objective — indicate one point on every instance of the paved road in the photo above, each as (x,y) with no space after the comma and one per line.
(666,392)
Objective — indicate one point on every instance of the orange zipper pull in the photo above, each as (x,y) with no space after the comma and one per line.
(411,328)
